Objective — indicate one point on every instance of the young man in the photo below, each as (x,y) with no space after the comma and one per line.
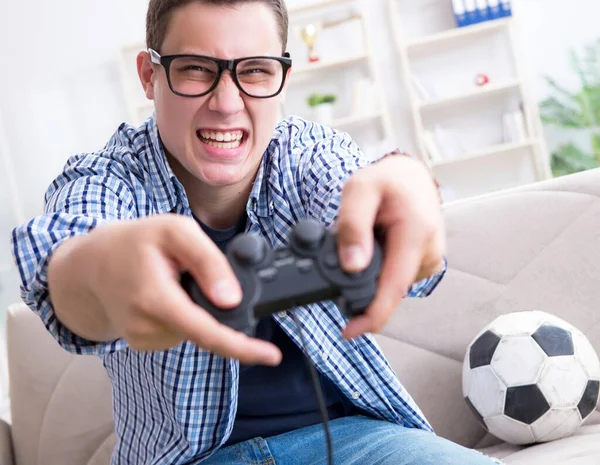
(101,265)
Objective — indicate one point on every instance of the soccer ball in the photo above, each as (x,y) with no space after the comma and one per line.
(531,377)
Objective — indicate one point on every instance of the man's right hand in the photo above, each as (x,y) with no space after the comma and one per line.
(129,272)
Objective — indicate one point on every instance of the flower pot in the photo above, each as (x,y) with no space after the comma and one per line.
(323,113)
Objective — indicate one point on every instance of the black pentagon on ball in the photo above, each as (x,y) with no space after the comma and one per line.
(554,341)
(482,350)
(476,412)
(525,403)
(589,400)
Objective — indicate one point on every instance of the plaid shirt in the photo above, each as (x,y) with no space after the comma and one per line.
(178,406)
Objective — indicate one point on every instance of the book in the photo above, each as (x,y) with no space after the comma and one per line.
(468,12)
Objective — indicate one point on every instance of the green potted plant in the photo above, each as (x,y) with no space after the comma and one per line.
(578,112)
(322,107)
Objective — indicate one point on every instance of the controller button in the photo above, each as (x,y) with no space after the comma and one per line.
(249,249)
(282,253)
(331,260)
(308,234)
(268,274)
(305,265)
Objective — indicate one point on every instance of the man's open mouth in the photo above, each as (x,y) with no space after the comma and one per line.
(221,139)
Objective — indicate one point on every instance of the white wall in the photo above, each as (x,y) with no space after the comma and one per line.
(548,37)
(60,91)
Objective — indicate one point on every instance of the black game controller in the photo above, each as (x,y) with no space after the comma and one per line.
(305,272)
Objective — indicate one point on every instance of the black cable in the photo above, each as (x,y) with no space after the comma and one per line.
(318,391)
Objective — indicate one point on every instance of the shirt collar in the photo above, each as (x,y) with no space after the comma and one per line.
(168,190)
(164,182)
(259,200)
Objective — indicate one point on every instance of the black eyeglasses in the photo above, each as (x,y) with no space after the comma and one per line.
(198,75)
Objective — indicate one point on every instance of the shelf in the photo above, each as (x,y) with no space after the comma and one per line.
(354,120)
(310,6)
(435,40)
(493,150)
(329,65)
(488,90)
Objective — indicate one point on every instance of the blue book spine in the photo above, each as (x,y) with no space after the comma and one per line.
(494,9)
(483,13)
(505,8)
(460,13)
(471,12)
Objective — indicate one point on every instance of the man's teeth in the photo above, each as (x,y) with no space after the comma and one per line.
(222,140)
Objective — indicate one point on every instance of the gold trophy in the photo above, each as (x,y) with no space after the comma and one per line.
(310,32)
(309,36)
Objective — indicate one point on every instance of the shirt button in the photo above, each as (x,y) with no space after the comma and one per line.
(325,355)
(356,395)
(282,314)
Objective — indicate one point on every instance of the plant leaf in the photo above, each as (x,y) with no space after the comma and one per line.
(569,158)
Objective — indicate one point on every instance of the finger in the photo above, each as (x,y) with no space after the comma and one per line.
(195,252)
(198,326)
(402,257)
(356,218)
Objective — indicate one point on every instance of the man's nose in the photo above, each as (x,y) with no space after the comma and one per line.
(226,98)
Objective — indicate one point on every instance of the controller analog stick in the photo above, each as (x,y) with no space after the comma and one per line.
(308,234)
(249,249)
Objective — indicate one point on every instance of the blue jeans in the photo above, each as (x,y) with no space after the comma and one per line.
(356,441)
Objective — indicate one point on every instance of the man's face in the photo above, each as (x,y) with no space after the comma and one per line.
(203,133)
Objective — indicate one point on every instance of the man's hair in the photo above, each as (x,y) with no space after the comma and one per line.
(159,15)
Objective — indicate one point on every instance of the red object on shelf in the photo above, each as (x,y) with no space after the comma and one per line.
(482,79)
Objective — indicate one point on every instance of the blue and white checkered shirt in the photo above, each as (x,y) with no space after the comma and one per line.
(178,406)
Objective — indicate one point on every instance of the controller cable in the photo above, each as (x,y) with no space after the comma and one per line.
(318,390)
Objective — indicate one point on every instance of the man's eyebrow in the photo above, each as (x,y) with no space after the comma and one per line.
(256,61)
(185,51)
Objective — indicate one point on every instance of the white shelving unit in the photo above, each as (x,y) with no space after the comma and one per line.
(362,112)
(476,137)
(349,71)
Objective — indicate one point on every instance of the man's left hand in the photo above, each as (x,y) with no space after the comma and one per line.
(398,195)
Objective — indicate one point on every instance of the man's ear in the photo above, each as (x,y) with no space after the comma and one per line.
(283,93)
(145,69)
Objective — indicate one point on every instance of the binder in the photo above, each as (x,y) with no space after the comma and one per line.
(494,9)
(468,12)
(483,12)
(460,15)
(505,8)
(471,12)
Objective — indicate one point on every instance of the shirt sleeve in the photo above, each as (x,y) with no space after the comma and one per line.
(91,190)
(329,164)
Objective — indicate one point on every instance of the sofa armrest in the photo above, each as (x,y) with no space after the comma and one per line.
(6,447)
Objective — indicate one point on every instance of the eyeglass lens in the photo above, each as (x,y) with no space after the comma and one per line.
(259,77)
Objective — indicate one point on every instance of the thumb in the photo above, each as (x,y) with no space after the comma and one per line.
(355,224)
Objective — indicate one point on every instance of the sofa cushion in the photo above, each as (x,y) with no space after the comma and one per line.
(61,408)
(582,448)
(535,247)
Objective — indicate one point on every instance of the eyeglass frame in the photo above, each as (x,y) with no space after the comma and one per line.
(230,65)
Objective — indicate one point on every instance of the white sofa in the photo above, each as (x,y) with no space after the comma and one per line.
(536,247)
